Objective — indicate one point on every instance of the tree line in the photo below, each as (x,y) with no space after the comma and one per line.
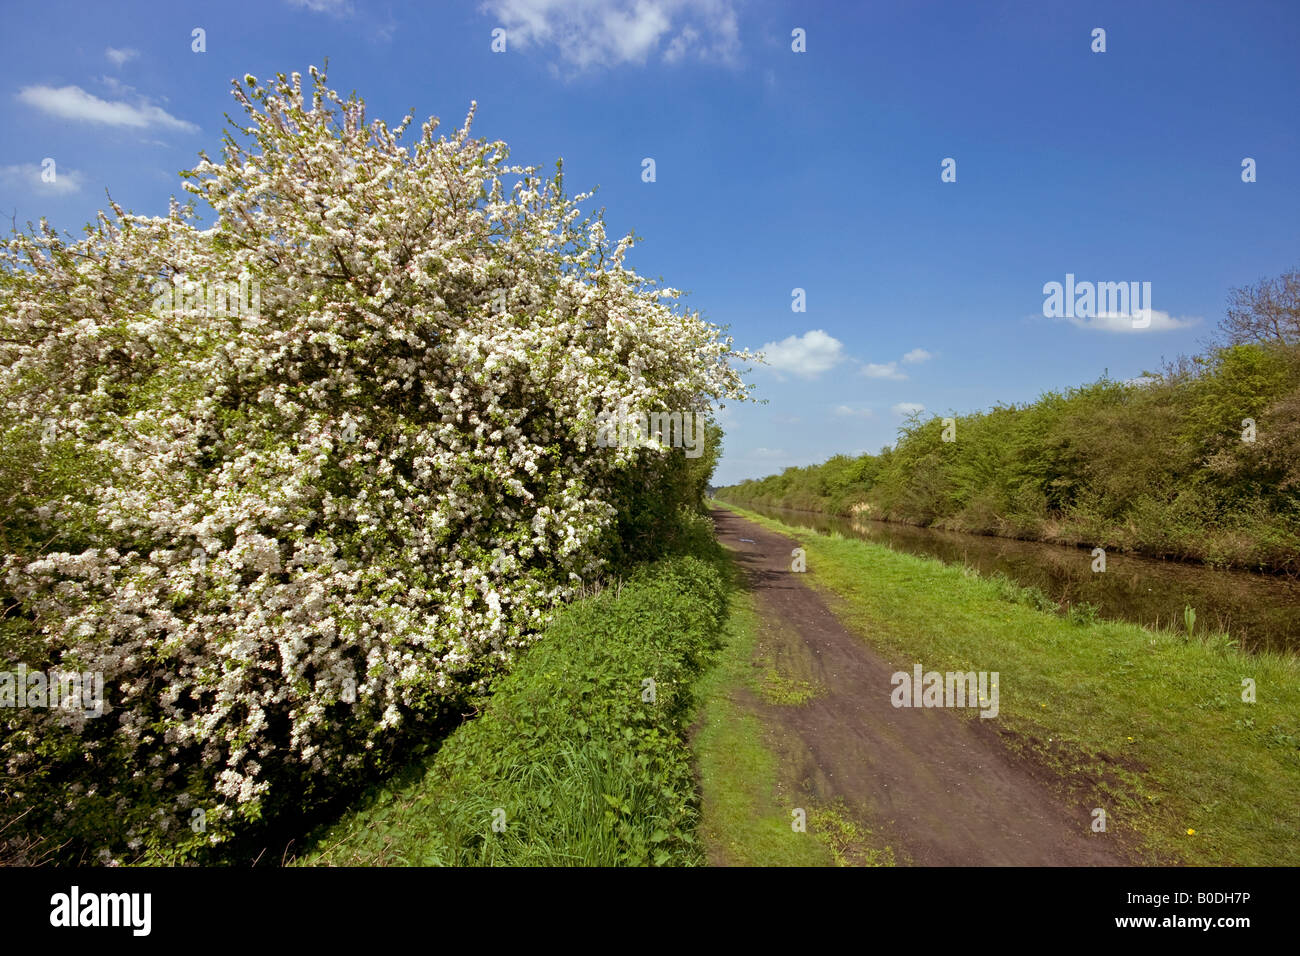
(1199,460)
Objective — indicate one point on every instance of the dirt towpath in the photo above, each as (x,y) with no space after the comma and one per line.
(939,789)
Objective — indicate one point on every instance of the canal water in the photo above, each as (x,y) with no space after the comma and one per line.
(1257,610)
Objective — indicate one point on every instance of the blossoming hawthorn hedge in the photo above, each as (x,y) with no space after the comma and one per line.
(285,533)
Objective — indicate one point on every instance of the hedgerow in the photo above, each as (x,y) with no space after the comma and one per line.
(288,528)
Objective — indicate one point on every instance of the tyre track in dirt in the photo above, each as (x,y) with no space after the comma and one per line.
(941,790)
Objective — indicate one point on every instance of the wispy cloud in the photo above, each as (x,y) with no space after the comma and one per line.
(845,411)
(118,57)
(1123,322)
(27,176)
(336,8)
(383,30)
(116,86)
(74,103)
(596,33)
(376,26)
(887,370)
(890,370)
(807,355)
(908,408)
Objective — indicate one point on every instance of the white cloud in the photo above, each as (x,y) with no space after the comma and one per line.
(917,355)
(28,176)
(335,7)
(74,103)
(680,44)
(1123,322)
(118,57)
(908,408)
(808,355)
(593,33)
(844,411)
(767,454)
(888,370)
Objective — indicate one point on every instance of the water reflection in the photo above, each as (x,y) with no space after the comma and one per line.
(1258,610)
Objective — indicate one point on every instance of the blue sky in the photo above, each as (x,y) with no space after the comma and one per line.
(775,169)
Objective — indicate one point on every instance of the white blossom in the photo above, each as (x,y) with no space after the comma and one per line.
(373,477)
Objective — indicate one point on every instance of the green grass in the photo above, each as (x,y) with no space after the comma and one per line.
(1150,726)
(850,843)
(784,666)
(777,688)
(571,762)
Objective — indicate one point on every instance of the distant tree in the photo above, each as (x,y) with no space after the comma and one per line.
(1268,311)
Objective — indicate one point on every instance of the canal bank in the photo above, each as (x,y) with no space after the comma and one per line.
(1258,611)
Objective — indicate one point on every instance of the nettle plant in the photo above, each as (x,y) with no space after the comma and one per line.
(284,534)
